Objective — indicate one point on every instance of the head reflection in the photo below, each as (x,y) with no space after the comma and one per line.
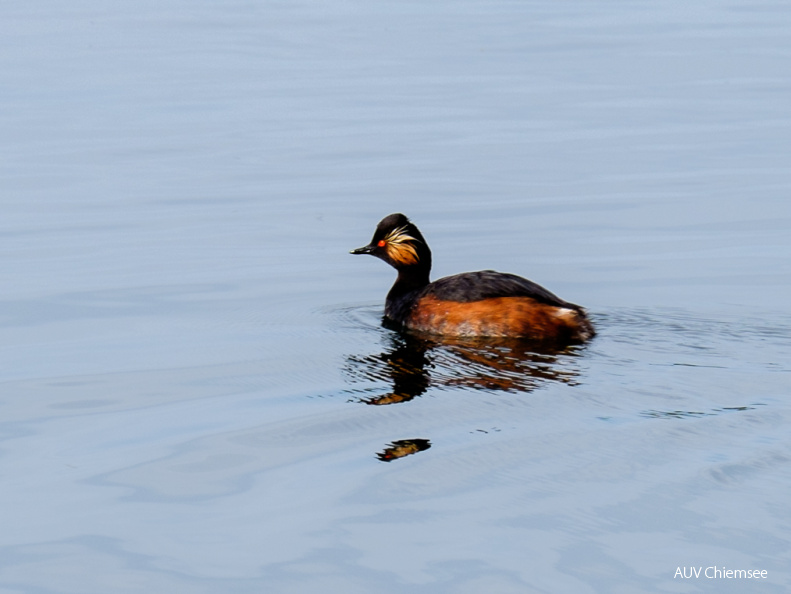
(412,365)
(403,447)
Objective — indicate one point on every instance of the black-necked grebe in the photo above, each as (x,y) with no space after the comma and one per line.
(485,303)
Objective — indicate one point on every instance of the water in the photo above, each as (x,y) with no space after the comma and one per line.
(197,393)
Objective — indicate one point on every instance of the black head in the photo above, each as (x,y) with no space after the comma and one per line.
(399,243)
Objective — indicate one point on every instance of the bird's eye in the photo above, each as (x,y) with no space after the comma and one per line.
(382,243)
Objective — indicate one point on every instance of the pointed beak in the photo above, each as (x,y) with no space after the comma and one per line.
(363,250)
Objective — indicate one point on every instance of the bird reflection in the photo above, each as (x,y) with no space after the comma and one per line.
(413,364)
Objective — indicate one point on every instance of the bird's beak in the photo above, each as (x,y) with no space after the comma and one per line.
(363,250)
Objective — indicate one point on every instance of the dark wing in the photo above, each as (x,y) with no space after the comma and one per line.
(488,284)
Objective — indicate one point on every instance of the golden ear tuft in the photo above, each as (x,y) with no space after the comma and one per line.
(399,247)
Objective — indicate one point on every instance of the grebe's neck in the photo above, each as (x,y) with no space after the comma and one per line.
(404,292)
(409,279)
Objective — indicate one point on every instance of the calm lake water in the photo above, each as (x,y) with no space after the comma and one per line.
(197,394)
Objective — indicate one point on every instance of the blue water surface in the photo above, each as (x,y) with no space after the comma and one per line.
(197,394)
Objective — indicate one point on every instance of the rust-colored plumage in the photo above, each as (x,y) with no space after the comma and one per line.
(498,316)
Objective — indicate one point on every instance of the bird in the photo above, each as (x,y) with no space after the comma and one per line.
(485,303)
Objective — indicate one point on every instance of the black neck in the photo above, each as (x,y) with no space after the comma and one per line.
(410,279)
(404,292)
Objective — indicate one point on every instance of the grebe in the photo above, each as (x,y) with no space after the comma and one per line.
(484,303)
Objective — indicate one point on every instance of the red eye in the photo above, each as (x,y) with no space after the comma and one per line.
(382,243)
